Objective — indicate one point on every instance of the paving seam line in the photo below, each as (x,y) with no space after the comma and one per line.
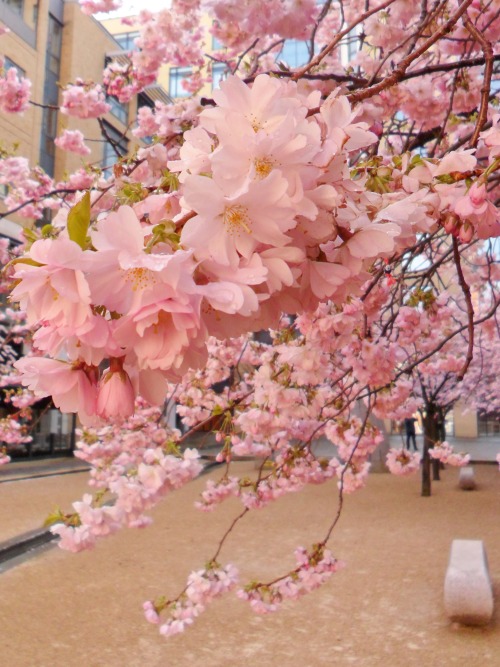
(30,541)
(47,474)
(21,544)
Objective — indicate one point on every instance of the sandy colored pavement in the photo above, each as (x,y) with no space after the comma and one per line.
(25,504)
(384,609)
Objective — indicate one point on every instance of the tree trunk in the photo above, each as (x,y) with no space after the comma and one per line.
(430,437)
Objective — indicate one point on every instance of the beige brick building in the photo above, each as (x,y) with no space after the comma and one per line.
(52,43)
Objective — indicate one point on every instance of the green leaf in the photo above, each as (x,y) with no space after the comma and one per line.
(22,260)
(79,220)
(56,516)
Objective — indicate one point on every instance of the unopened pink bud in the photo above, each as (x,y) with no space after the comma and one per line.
(466,232)
(450,223)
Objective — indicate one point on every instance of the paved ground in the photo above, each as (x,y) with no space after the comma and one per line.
(384,610)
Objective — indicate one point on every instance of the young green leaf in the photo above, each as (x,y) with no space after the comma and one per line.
(79,220)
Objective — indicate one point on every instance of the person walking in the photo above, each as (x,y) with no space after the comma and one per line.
(410,433)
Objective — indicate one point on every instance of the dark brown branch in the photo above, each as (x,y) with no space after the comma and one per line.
(112,142)
(338,38)
(448,67)
(470,310)
(397,75)
(488,71)
(34,200)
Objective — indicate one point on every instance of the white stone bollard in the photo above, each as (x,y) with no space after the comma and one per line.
(466,479)
(468,595)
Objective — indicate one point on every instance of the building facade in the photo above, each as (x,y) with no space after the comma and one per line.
(52,43)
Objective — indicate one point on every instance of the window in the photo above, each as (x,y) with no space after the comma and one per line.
(177,76)
(127,40)
(145,101)
(349,46)
(216,45)
(219,73)
(51,95)
(115,141)
(488,423)
(118,109)
(15,5)
(294,53)
(54,43)
(352,46)
(10,64)
(49,131)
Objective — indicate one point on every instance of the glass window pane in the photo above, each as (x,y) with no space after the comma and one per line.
(127,40)
(177,76)
(294,53)
(219,73)
(118,109)
(14,5)
(8,64)
(119,142)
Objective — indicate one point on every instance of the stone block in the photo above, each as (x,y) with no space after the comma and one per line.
(466,479)
(468,594)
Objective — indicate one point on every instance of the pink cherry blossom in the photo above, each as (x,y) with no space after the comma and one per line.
(83,100)
(14,92)
(115,394)
(73,141)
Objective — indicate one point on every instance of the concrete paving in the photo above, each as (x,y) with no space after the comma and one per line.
(385,609)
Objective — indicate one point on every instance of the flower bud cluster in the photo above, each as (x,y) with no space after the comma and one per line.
(314,569)
(203,587)
(444,452)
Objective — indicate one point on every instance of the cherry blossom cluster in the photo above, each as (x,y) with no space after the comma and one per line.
(29,188)
(72,141)
(402,462)
(203,587)
(14,90)
(314,568)
(153,322)
(444,452)
(133,467)
(84,100)
(95,6)
(280,192)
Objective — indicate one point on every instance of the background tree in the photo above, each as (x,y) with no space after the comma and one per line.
(330,192)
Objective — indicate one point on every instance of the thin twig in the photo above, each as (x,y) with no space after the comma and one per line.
(338,38)
(488,71)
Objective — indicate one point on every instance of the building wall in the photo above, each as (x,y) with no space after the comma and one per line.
(465,422)
(25,49)
(85,45)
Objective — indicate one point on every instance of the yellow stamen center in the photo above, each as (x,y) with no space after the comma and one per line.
(263,167)
(140,278)
(236,217)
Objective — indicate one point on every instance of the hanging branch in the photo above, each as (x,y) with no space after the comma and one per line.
(470,310)
(488,71)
